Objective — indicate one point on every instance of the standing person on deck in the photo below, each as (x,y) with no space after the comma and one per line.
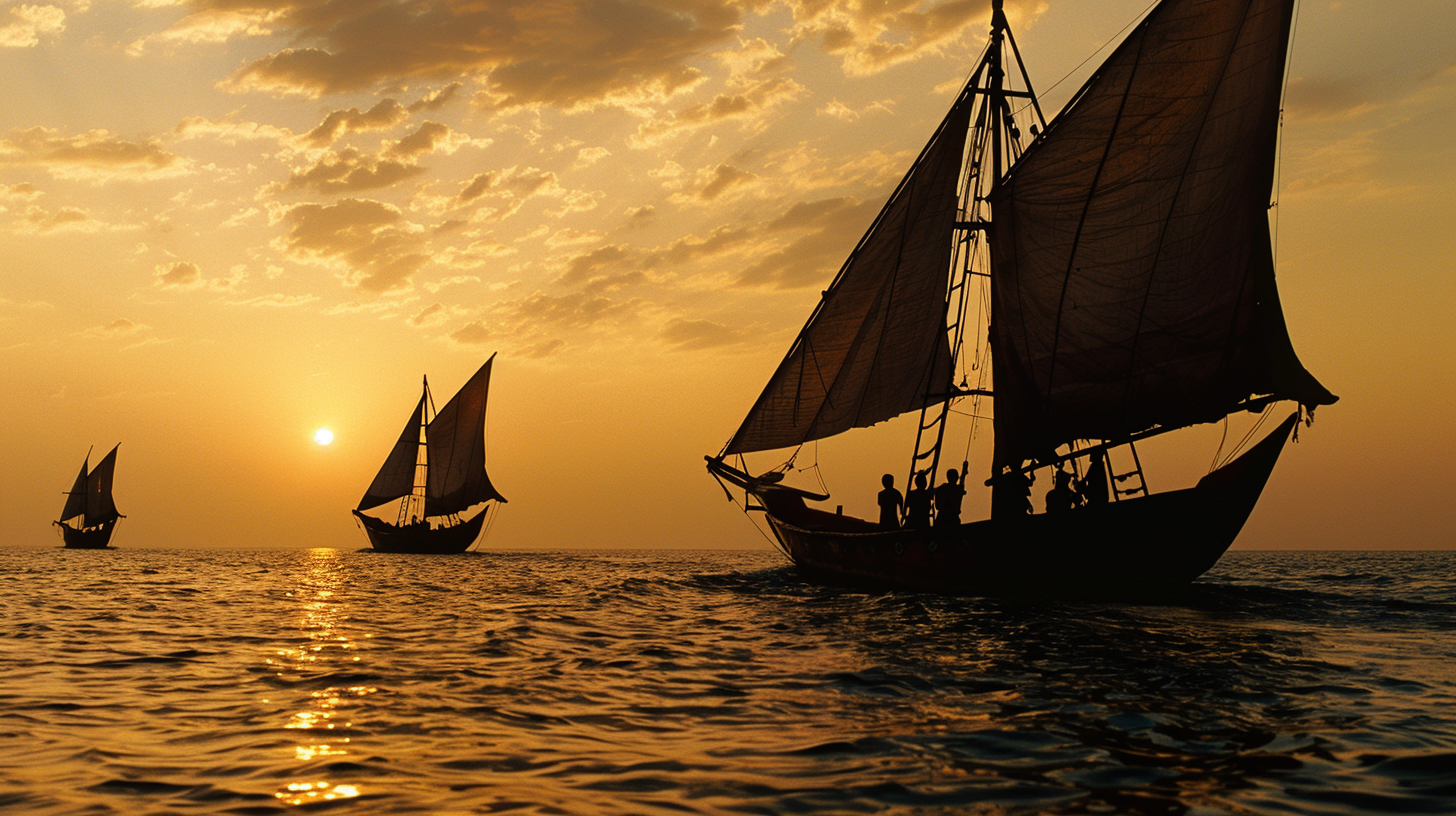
(917,505)
(948,498)
(891,503)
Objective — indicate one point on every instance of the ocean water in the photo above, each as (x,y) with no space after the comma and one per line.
(663,682)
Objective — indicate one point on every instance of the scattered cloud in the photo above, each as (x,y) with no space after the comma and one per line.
(838,110)
(570,54)
(695,335)
(713,182)
(386,114)
(94,154)
(824,232)
(437,99)
(587,156)
(369,241)
(871,37)
(434,313)
(118,328)
(278,300)
(178,274)
(349,171)
(23,25)
(1316,99)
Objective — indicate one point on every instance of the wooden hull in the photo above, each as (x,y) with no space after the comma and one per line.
(1129,548)
(420,538)
(94,538)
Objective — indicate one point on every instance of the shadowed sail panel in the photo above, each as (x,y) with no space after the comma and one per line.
(397,477)
(1133,282)
(876,345)
(76,499)
(456,440)
(100,507)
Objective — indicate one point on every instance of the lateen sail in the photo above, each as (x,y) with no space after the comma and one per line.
(100,508)
(1133,282)
(456,450)
(876,346)
(397,477)
(76,500)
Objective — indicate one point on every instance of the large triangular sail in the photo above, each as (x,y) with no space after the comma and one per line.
(100,507)
(397,477)
(76,499)
(455,440)
(1133,281)
(876,346)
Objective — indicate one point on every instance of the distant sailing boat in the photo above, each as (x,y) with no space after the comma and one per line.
(89,516)
(1126,262)
(437,473)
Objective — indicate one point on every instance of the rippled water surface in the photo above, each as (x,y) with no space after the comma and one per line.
(157,681)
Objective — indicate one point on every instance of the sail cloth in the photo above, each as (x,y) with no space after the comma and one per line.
(456,441)
(1133,282)
(76,499)
(397,477)
(100,507)
(876,346)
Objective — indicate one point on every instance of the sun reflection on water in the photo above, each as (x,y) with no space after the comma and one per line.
(328,644)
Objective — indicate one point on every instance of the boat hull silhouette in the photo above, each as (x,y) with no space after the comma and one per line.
(1132,547)
(92,538)
(421,538)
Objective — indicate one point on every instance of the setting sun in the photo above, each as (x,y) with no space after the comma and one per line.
(323,436)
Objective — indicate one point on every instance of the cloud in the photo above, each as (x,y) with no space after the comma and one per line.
(1316,99)
(349,171)
(206,26)
(178,274)
(536,319)
(824,232)
(695,335)
(386,114)
(587,156)
(614,266)
(434,313)
(40,219)
(431,137)
(838,110)
(120,327)
(870,37)
(749,105)
(714,182)
(369,240)
(437,99)
(570,54)
(23,25)
(94,154)
(230,131)
(511,188)
(276,300)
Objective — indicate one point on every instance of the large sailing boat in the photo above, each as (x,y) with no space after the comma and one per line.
(1124,253)
(436,472)
(89,515)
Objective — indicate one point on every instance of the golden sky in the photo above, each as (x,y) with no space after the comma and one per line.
(227,223)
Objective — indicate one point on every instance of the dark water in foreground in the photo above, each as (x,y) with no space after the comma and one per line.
(155,681)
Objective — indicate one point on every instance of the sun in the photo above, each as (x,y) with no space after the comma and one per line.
(323,436)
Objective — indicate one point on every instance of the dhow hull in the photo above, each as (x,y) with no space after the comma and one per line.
(421,538)
(1129,548)
(92,538)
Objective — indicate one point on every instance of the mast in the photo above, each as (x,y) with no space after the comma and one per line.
(994,144)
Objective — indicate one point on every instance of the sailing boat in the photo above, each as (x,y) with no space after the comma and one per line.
(1124,252)
(89,516)
(436,472)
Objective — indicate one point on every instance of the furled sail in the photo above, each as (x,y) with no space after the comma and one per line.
(876,346)
(1133,282)
(100,507)
(455,439)
(76,499)
(397,477)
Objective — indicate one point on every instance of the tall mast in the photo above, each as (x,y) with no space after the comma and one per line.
(993,132)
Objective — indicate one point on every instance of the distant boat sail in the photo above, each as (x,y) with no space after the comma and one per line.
(89,516)
(436,471)
(1124,255)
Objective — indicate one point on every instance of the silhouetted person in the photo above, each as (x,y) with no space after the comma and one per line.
(948,500)
(890,504)
(1062,498)
(1011,494)
(1093,486)
(917,504)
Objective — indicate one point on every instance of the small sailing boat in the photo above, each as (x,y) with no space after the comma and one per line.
(1123,253)
(89,516)
(436,472)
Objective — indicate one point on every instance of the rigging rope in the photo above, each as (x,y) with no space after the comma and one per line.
(1068,75)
